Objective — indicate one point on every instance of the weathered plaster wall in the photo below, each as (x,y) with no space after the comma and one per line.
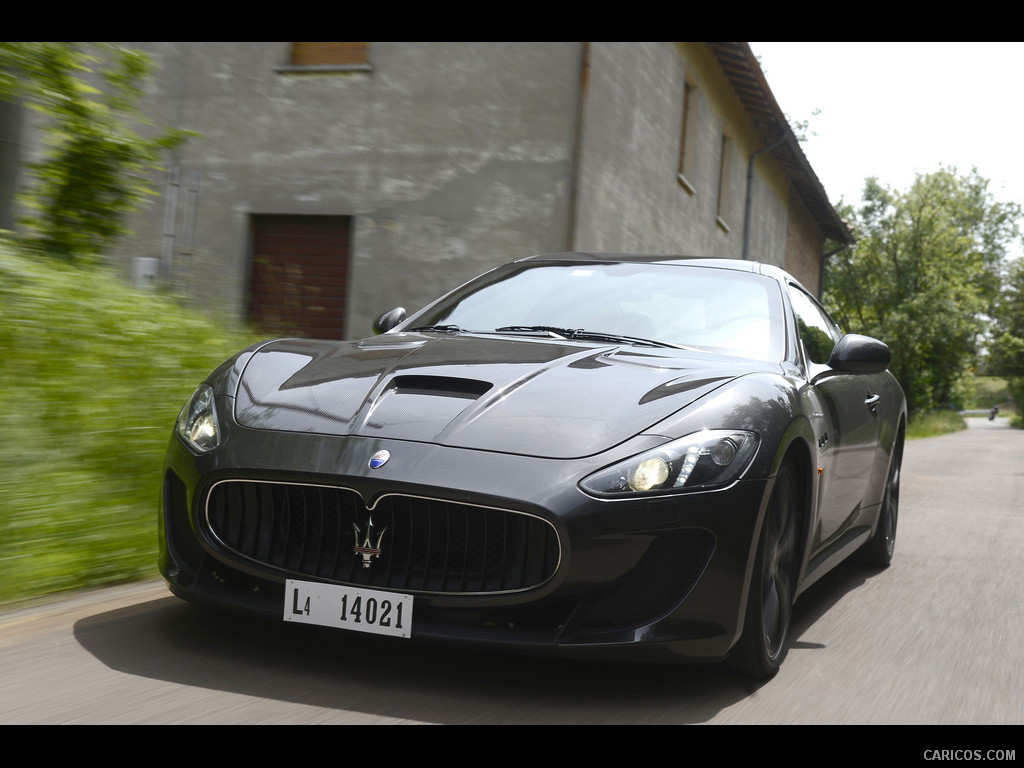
(450,157)
(630,195)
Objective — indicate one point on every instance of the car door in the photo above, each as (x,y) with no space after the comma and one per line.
(845,419)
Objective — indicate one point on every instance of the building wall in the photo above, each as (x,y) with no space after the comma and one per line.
(451,158)
(631,197)
(804,247)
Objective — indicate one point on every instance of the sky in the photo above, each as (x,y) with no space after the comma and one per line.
(892,110)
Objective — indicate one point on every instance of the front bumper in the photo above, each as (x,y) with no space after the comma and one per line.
(646,579)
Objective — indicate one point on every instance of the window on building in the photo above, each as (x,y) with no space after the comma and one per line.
(342,57)
(688,137)
(725,182)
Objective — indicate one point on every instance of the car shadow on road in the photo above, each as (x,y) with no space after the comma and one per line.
(386,678)
(367,677)
(823,595)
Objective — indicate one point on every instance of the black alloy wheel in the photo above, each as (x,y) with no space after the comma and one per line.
(770,603)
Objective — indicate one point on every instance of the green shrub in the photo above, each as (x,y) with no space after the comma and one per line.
(936,423)
(93,376)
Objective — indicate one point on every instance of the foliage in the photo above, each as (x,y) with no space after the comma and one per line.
(802,128)
(988,391)
(921,277)
(1006,349)
(934,424)
(1015,385)
(96,164)
(93,376)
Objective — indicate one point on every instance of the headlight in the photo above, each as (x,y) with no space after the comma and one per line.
(710,459)
(197,422)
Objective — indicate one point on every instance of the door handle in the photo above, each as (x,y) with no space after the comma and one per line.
(871,401)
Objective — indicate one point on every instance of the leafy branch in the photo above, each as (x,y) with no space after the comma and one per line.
(97,164)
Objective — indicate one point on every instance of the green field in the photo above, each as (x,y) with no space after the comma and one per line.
(989,391)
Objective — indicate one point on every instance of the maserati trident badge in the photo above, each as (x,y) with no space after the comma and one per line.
(379,459)
(368,549)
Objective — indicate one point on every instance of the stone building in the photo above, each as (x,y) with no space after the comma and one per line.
(331,181)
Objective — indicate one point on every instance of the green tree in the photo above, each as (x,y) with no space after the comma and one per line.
(97,164)
(921,277)
(1006,348)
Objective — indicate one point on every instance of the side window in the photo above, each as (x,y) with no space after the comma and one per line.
(724,182)
(688,137)
(330,54)
(326,58)
(818,334)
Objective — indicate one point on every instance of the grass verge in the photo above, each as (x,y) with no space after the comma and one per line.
(92,375)
(933,424)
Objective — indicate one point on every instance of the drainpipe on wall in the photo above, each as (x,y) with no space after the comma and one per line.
(574,169)
(750,194)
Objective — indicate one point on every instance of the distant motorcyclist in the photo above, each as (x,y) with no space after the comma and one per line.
(993,413)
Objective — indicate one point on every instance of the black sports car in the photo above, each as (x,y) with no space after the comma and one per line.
(593,455)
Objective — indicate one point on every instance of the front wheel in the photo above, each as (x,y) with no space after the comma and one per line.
(770,601)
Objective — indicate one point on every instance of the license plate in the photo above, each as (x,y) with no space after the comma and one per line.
(361,610)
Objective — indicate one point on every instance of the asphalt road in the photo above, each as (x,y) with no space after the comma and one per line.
(938,638)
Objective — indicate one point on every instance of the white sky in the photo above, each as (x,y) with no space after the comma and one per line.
(895,109)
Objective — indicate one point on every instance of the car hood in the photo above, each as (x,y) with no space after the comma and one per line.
(523,396)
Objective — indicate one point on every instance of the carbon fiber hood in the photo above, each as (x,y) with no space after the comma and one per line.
(512,395)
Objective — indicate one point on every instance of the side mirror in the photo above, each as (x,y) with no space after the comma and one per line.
(859,354)
(388,320)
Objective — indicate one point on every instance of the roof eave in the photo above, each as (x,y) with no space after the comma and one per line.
(747,78)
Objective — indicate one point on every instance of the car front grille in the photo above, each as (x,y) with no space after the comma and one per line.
(425,545)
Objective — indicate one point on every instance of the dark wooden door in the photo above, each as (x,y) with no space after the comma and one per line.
(300,275)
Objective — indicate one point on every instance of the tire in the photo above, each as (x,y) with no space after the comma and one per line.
(879,548)
(762,646)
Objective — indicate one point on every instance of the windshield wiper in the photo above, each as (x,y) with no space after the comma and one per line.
(438,329)
(581,334)
(600,336)
(537,330)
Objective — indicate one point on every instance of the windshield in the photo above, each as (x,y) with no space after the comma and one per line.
(717,310)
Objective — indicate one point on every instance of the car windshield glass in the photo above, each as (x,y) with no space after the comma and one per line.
(713,309)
